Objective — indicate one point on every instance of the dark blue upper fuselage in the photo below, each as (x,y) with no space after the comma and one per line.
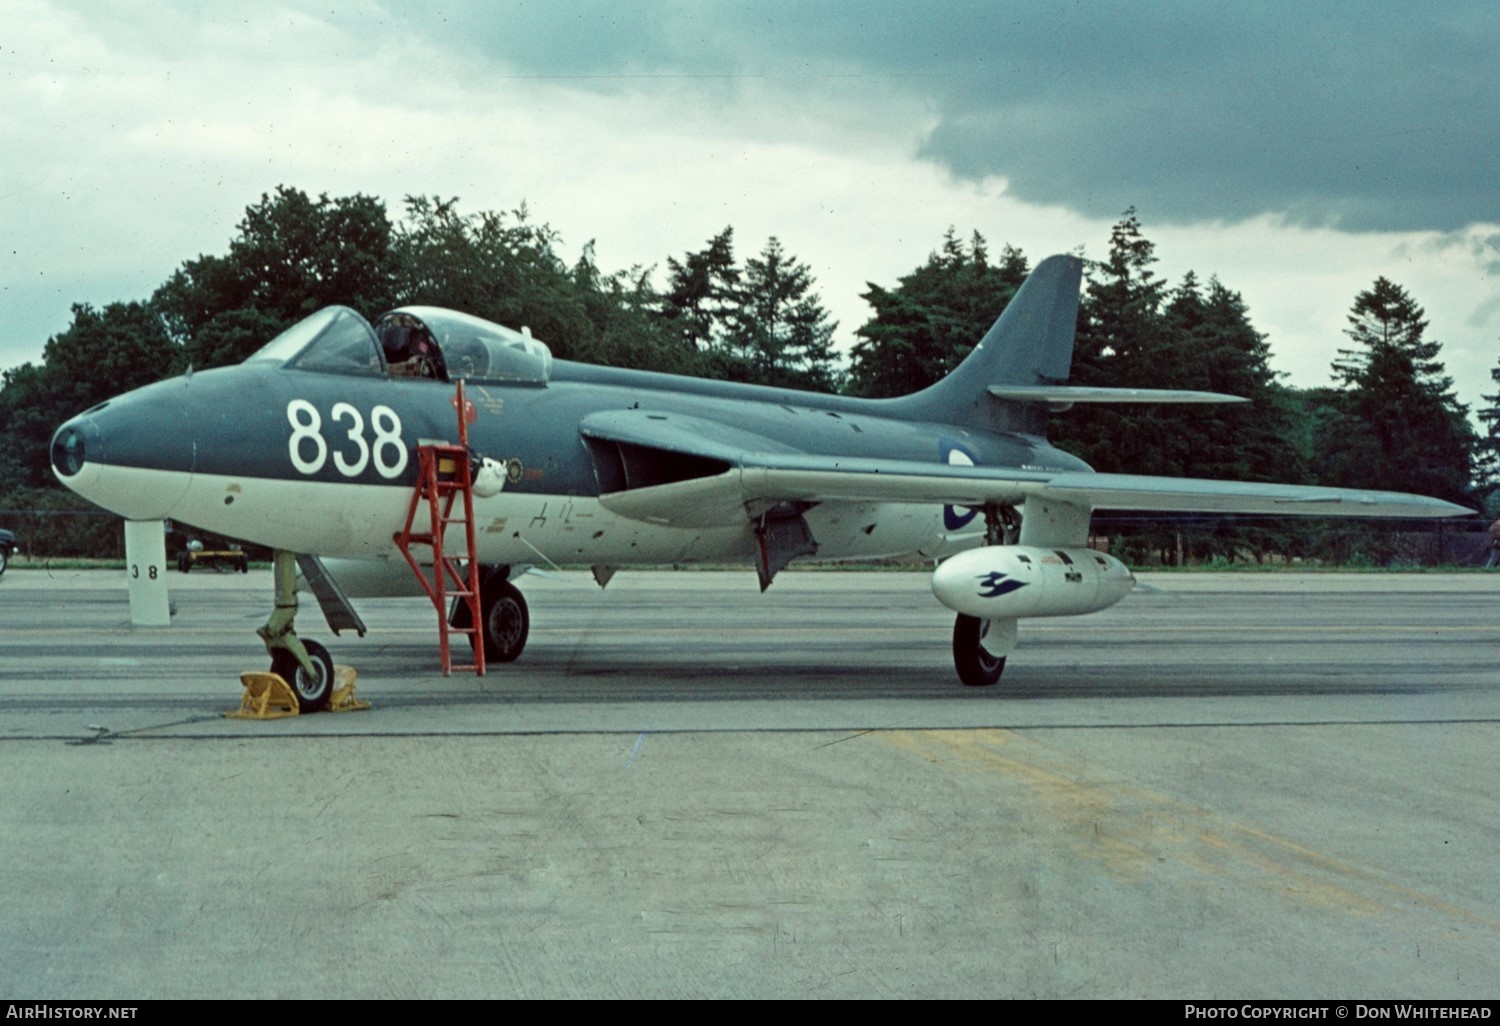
(334,414)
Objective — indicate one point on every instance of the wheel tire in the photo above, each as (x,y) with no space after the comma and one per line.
(244,565)
(312,693)
(507,622)
(184,562)
(458,614)
(976,667)
(4,558)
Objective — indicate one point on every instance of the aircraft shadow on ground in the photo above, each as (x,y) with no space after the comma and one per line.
(562,676)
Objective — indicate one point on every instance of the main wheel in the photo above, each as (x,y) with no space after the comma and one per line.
(313,691)
(976,665)
(507,622)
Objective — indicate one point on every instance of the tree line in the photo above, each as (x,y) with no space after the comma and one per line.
(1388,420)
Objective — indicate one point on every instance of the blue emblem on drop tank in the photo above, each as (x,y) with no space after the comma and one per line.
(998,584)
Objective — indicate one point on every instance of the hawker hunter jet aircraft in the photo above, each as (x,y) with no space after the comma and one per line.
(310,447)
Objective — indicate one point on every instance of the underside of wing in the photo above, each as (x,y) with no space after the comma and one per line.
(762,481)
(813,478)
(692,472)
(1190,495)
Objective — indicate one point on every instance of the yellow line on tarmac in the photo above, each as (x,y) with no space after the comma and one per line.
(1130,830)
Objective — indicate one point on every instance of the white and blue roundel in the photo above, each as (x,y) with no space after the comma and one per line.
(956,454)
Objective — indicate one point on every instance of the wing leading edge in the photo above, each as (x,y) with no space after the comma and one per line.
(1064,396)
(693,472)
(771,478)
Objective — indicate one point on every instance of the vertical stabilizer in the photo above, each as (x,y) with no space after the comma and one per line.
(1031,344)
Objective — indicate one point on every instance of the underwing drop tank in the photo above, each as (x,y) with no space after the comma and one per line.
(1006,582)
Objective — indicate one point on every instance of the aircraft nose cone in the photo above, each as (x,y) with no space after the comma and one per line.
(70,449)
(132,455)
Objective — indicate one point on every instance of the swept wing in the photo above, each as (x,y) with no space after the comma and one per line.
(735,470)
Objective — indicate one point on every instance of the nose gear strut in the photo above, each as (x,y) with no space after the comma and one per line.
(305,666)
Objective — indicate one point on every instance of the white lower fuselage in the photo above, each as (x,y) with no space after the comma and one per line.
(360,521)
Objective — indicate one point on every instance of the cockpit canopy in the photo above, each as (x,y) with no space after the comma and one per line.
(448,345)
(413,341)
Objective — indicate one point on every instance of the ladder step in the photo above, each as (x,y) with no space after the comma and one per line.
(445,470)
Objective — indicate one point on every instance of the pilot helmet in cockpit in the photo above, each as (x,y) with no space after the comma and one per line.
(410,350)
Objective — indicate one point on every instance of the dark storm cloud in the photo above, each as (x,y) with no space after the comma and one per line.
(1364,116)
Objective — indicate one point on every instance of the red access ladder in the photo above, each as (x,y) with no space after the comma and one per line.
(444,474)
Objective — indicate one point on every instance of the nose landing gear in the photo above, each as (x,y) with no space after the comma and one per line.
(313,689)
(305,665)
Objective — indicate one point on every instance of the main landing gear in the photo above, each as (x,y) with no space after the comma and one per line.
(305,665)
(507,621)
(980,647)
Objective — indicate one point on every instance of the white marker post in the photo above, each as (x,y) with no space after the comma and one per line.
(146,573)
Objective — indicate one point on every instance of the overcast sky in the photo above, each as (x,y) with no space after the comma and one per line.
(1298,150)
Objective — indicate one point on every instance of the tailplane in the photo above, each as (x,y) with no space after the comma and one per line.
(1018,372)
(1031,345)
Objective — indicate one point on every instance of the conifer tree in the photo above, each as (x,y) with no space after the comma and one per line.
(701,293)
(929,322)
(779,332)
(1487,453)
(1122,342)
(1134,331)
(1398,426)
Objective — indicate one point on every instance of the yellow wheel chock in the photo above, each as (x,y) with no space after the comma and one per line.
(342,699)
(268,697)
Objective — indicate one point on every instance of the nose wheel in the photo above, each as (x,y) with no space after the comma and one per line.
(313,688)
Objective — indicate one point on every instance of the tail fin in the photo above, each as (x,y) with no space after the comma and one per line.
(1031,344)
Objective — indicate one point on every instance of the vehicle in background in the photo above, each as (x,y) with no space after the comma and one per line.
(223,557)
